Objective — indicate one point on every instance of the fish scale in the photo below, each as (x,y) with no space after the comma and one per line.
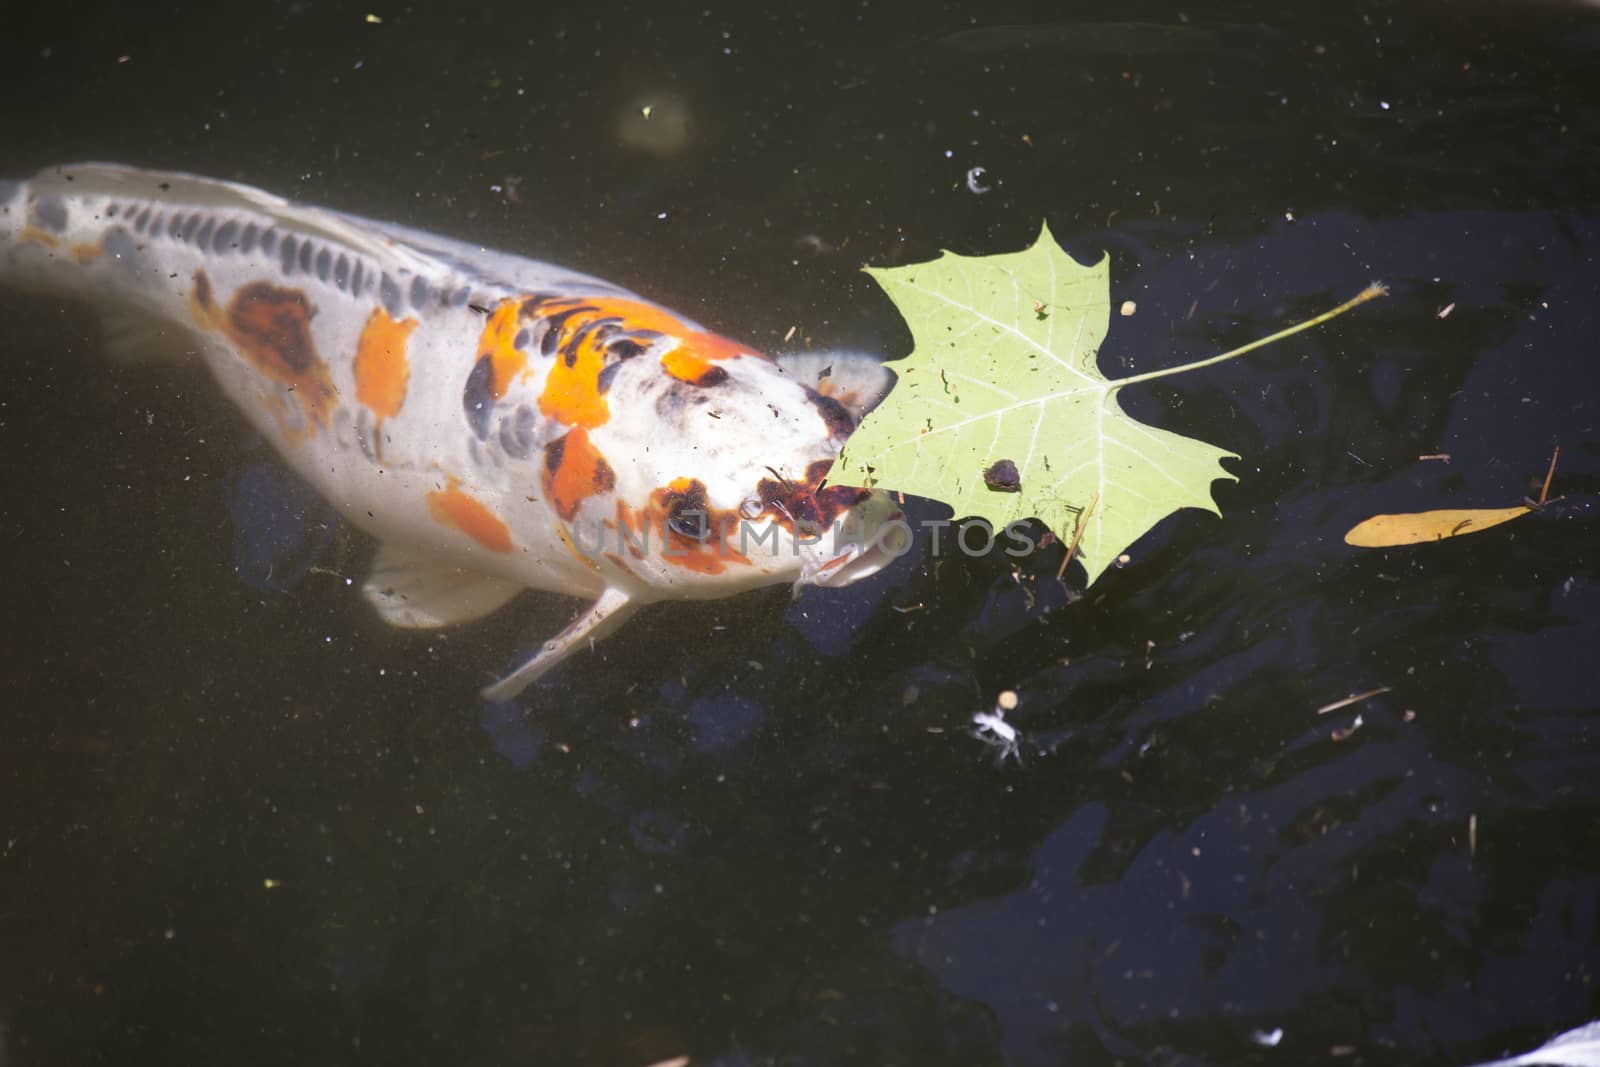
(497,423)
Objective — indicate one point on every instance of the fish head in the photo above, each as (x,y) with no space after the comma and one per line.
(719,464)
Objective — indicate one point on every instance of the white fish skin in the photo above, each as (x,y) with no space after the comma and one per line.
(498,423)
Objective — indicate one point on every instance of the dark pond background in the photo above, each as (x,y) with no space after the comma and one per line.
(758,831)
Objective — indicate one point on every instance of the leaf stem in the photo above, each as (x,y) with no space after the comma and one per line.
(1551,473)
(1371,292)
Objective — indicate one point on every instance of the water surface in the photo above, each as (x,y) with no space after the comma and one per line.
(241,819)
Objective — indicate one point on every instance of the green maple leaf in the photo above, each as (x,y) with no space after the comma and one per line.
(1003,368)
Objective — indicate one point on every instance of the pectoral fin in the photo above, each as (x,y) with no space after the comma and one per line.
(604,616)
(413,593)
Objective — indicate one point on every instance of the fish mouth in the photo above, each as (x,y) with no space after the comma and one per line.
(872,535)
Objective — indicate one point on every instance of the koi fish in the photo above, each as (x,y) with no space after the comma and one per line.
(496,423)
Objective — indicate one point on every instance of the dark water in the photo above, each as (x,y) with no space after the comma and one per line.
(240,821)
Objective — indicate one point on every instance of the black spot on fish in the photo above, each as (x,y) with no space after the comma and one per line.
(389,293)
(341,271)
(120,245)
(600,329)
(226,236)
(269,241)
(175,225)
(50,212)
(324,265)
(142,222)
(602,382)
(627,348)
(111,211)
(419,291)
(357,276)
(247,239)
(191,226)
(672,400)
(477,399)
(286,251)
(306,252)
(554,452)
(556,322)
(202,236)
(516,432)
(522,339)
(834,415)
(460,297)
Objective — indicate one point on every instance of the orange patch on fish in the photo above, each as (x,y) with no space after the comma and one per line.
(572,390)
(574,470)
(381,368)
(716,346)
(43,237)
(452,507)
(83,253)
(689,365)
(581,557)
(498,342)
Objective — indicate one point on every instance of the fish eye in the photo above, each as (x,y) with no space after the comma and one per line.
(752,507)
(687,520)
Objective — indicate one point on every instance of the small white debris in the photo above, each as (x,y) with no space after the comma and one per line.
(975,181)
(1444,312)
(1267,1038)
(1128,308)
(991,728)
(1007,700)
(375,20)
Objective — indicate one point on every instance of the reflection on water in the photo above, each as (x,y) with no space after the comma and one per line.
(760,831)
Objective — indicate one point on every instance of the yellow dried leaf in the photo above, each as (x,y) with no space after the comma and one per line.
(1386,531)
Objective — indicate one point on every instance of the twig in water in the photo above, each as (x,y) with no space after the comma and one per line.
(1544,492)
(1353,699)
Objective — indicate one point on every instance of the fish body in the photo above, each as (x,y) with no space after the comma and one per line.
(497,423)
